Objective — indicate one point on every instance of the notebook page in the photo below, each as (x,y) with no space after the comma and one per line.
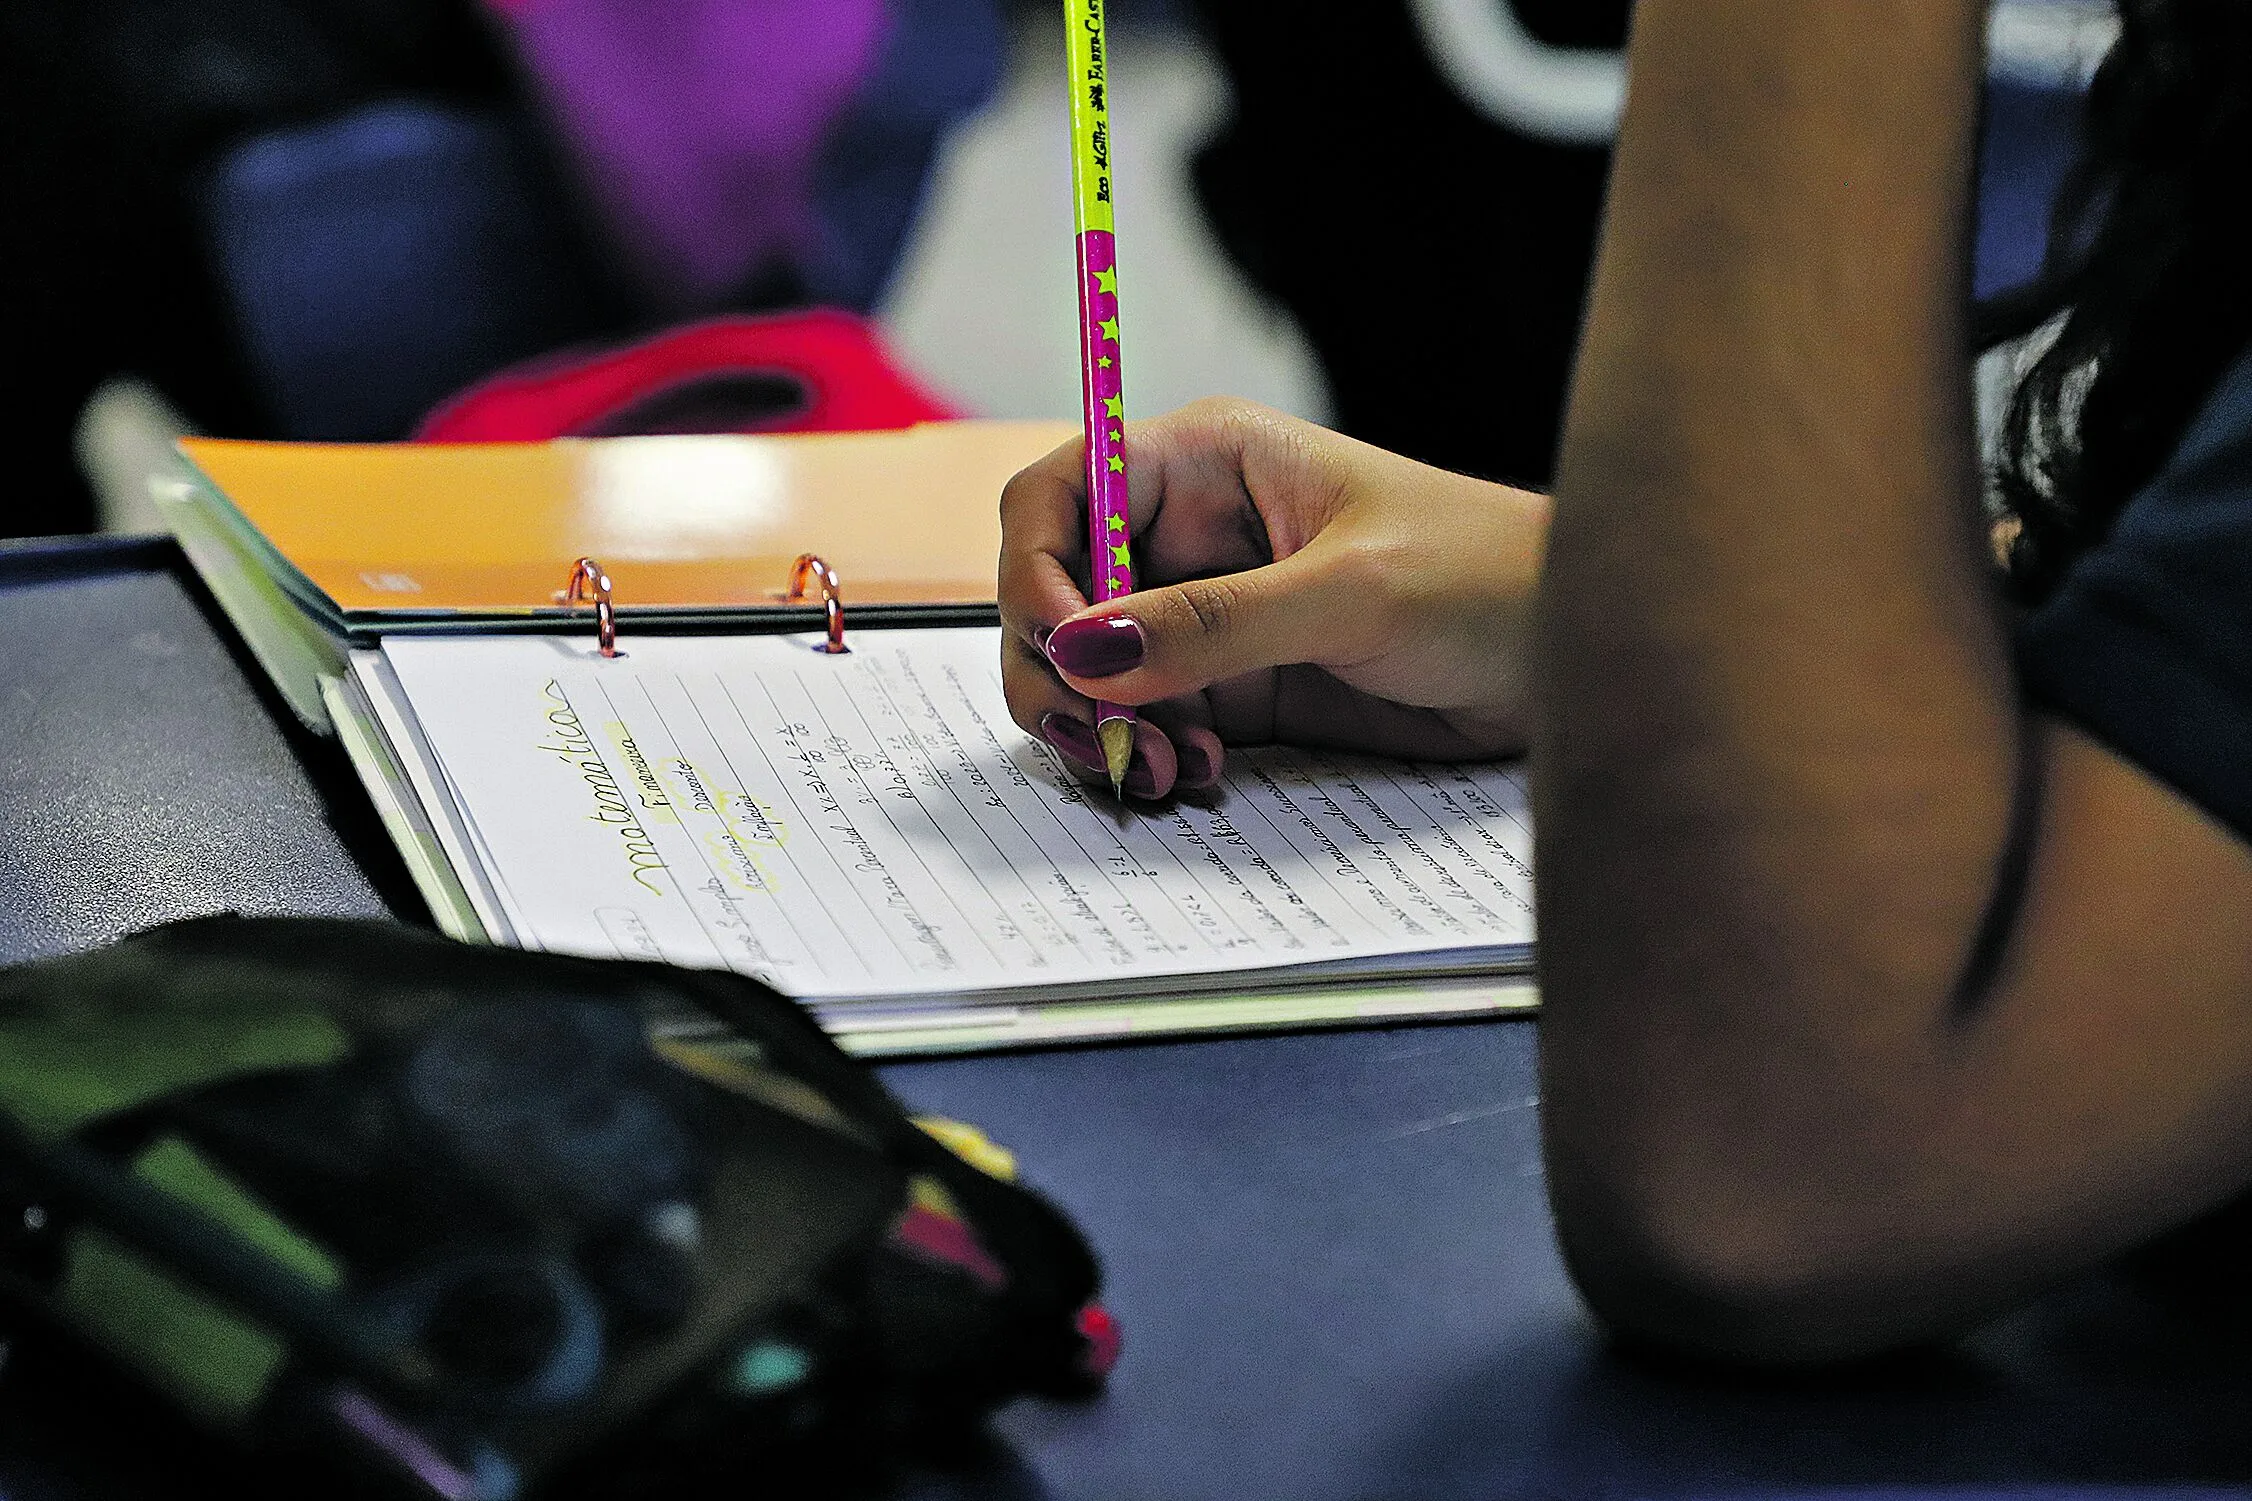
(873,825)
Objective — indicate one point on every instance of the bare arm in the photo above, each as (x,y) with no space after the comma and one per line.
(1871,1000)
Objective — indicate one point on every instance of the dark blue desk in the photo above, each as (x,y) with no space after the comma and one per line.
(1330,1252)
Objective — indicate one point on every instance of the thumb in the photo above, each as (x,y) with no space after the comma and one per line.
(1184,637)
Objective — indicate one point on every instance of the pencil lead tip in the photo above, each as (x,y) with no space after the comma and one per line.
(1118,751)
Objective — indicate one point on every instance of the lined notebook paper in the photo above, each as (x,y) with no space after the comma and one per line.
(873,826)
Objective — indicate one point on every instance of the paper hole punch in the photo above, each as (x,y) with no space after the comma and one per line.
(808,566)
(590,583)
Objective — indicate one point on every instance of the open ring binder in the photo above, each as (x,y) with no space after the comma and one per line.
(590,584)
(832,597)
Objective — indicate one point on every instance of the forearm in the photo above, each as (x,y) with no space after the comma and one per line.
(1778,745)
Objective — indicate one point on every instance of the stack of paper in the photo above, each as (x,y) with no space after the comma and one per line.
(872,834)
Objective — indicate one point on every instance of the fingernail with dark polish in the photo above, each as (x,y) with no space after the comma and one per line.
(1074,739)
(1196,764)
(1097,647)
(1140,780)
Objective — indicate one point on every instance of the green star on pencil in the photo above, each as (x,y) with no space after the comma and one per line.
(1115,406)
(1109,326)
(1107,281)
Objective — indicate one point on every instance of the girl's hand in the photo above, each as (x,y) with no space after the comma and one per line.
(1297,585)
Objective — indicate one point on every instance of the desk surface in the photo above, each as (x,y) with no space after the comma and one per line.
(1330,1252)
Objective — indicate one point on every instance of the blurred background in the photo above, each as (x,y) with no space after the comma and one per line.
(324,218)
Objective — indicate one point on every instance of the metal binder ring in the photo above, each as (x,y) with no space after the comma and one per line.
(832,597)
(588,579)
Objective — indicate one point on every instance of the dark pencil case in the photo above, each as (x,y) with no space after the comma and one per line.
(477,1222)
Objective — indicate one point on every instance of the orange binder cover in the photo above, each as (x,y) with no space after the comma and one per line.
(905,517)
